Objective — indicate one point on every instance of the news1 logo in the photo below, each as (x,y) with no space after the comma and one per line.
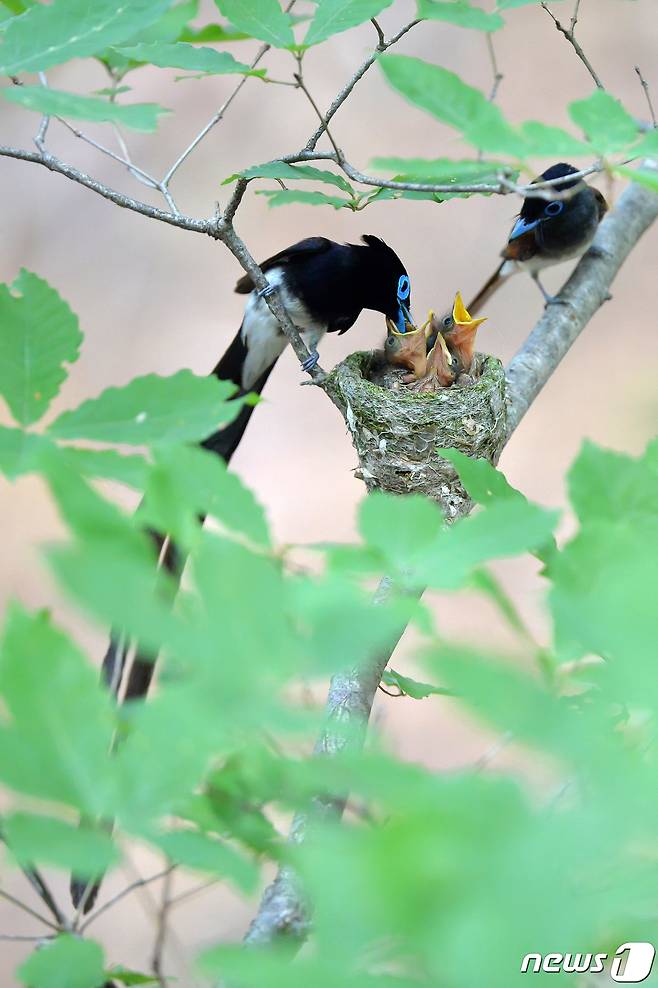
(631,963)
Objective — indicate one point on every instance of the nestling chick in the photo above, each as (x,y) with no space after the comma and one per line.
(408,350)
(459,330)
(441,368)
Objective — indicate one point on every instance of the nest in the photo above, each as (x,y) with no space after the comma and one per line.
(396,431)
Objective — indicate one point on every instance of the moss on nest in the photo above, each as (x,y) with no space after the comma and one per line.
(396,431)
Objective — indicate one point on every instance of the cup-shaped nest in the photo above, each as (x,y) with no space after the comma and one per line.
(396,431)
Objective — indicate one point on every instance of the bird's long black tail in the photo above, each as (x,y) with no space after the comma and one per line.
(487,290)
(223,443)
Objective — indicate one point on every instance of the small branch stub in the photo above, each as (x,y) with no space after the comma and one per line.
(396,432)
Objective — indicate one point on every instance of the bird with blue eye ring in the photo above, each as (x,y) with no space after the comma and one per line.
(547,233)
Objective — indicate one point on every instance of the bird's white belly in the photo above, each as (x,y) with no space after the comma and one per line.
(262,334)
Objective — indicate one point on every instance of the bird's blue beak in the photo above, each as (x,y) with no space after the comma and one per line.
(521,227)
(403,317)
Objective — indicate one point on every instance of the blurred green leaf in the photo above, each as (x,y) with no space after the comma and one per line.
(333,16)
(55,742)
(50,34)
(643,176)
(400,528)
(411,687)
(509,4)
(461,13)
(446,97)
(284,197)
(197,482)
(107,464)
(284,171)
(128,978)
(67,962)
(544,141)
(152,409)
(55,102)
(35,840)
(608,486)
(203,853)
(20,451)
(604,121)
(38,335)
(262,19)
(180,55)
(211,33)
(441,171)
(481,481)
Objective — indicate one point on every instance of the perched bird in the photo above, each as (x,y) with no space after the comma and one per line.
(548,233)
(324,287)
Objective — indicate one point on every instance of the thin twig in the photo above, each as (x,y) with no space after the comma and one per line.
(497,74)
(27,939)
(28,909)
(569,34)
(349,86)
(139,883)
(190,893)
(325,126)
(214,120)
(380,34)
(161,931)
(647,93)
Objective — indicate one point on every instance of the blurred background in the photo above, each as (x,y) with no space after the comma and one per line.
(155,299)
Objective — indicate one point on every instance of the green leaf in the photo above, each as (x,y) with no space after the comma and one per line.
(55,102)
(129,978)
(45,840)
(446,97)
(399,527)
(604,121)
(152,409)
(20,451)
(411,687)
(55,742)
(282,170)
(441,171)
(608,486)
(170,25)
(643,176)
(284,197)
(50,34)
(186,56)
(67,962)
(461,13)
(38,335)
(203,853)
(108,465)
(481,481)
(262,19)
(544,141)
(211,33)
(198,482)
(333,16)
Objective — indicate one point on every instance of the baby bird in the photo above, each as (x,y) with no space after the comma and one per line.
(441,368)
(408,350)
(459,330)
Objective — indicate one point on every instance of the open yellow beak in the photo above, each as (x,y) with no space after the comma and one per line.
(462,316)
(394,331)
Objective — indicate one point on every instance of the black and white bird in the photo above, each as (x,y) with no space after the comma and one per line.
(548,233)
(324,286)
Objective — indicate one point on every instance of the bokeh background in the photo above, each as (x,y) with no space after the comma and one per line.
(154,299)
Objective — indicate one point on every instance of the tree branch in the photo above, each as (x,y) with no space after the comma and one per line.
(283,912)
(569,34)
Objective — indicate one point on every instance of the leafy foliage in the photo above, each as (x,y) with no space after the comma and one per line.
(334,16)
(262,19)
(137,116)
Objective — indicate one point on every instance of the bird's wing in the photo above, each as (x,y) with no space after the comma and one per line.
(312,245)
(521,248)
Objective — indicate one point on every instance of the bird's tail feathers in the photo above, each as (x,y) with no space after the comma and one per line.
(492,285)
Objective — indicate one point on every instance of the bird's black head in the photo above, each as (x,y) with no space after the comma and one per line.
(385,284)
(536,210)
